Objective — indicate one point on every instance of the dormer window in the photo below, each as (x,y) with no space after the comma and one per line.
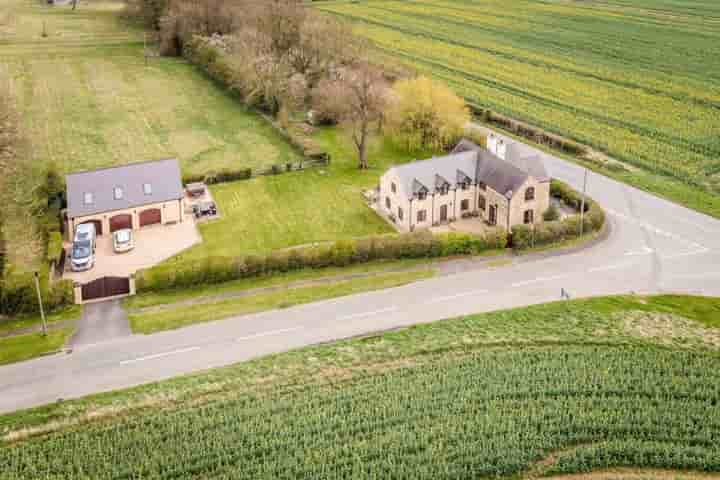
(422,195)
(147,188)
(88,198)
(463,186)
(482,186)
(444,189)
(118,193)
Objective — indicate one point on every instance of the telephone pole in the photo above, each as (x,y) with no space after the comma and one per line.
(582,202)
(42,312)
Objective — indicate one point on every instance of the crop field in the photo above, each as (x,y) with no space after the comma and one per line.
(639,79)
(569,387)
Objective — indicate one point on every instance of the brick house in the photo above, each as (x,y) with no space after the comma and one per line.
(497,185)
(129,196)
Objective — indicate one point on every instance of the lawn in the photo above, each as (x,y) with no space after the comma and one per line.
(8,326)
(88,100)
(316,205)
(561,388)
(205,310)
(634,78)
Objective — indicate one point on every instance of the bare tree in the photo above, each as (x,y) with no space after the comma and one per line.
(358,99)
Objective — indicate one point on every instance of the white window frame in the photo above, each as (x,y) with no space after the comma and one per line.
(88,198)
(147,188)
(118,193)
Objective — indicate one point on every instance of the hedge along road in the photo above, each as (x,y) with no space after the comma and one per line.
(654,246)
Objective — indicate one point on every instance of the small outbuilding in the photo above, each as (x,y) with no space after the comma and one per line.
(132,196)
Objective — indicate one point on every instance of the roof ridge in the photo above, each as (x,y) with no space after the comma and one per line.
(125,165)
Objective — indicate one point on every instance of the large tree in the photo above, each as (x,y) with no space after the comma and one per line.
(425,115)
(357,98)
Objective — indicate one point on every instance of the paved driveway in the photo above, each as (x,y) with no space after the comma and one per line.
(152,246)
(101,322)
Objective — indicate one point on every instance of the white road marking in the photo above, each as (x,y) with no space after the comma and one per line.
(269,333)
(690,276)
(368,314)
(686,254)
(159,355)
(616,266)
(654,229)
(642,251)
(538,280)
(459,295)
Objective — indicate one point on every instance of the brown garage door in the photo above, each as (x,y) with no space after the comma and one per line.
(150,216)
(119,222)
(98,226)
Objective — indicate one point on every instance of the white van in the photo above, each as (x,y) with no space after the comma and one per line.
(82,256)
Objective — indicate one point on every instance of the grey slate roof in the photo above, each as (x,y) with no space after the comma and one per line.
(162,175)
(469,160)
(531,164)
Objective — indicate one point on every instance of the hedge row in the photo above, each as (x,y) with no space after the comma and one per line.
(533,133)
(339,254)
(525,236)
(19,296)
(221,176)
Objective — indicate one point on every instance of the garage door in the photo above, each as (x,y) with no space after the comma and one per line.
(119,222)
(150,216)
(98,226)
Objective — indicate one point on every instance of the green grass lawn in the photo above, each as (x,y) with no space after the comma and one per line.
(561,388)
(25,347)
(204,311)
(316,205)
(87,100)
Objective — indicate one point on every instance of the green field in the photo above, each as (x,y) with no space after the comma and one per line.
(569,387)
(639,79)
(87,100)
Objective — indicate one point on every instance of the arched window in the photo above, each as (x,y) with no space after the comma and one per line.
(530,193)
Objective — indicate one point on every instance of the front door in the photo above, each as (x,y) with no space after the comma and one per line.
(492,215)
(443,213)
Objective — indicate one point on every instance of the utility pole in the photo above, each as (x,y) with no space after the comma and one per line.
(145,53)
(42,312)
(582,203)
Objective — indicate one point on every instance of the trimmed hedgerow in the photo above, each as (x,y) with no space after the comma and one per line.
(338,254)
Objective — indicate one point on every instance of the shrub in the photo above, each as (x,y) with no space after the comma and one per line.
(54,247)
(421,244)
(551,214)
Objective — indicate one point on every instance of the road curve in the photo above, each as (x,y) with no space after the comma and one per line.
(654,246)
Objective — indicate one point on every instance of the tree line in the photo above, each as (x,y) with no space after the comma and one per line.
(286,57)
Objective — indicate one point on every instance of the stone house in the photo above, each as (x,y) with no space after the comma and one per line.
(497,185)
(129,196)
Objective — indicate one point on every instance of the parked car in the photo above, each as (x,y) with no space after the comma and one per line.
(202,209)
(123,240)
(82,256)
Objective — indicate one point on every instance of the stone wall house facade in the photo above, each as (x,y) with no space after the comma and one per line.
(497,185)
(131,196)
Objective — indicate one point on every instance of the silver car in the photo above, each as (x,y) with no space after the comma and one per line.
(123,240)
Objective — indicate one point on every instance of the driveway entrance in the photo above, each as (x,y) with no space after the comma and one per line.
(100,322)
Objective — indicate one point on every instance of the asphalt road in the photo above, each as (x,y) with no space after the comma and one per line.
(654,246)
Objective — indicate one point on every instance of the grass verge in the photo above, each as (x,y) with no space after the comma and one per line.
(171,318)
(7,327)
(25,347)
